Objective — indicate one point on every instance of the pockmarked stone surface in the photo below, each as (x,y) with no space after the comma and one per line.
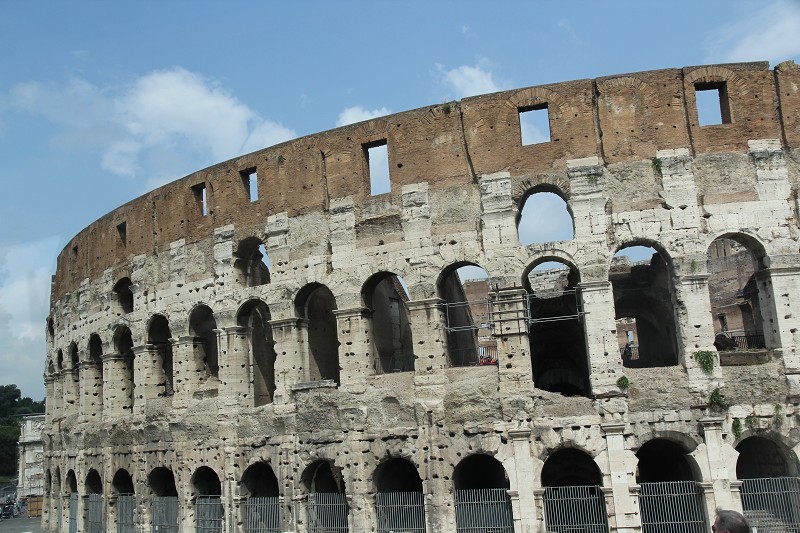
(268,345)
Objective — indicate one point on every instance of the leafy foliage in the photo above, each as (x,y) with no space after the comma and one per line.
(12,405)
(717,400)
(736,426)
(705,359)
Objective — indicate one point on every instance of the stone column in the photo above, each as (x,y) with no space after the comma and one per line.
(427,319)
(70,377)
(621,471)
(523,499)
(148,376)
(779,299)
(600,326)
(291,364)
(118,390)
(694,325)
(235,367)
(50,407)
(510,323)
(91,388)
(189,368)
(722,464)
(356,351)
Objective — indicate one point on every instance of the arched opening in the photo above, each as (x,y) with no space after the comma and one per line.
(573,497)
(165,506)
(72,491)
(254,315)
(733,291)
(545,217)
(671,499)
(60,361)
(385,295)
(327,502)
(160,337)
(73,378)
(123,296)
(93,517)
(123,345)
(251,263)
(208,512)
(261,507)
(464,287)
(644,305)
(201,326)
(481,492)
(398,497)
(315,302)
(770,486)
(557,332)
(122,483)
(94,395)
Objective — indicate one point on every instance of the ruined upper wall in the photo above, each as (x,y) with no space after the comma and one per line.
(619,119)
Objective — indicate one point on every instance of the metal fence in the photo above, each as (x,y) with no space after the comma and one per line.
(262,515)
(575,509)
(484,511)
(772,505)
(327,512)
(208,514)
(400,511)
(60,515)
(673,507)
(94,514)
(125,513)
(73,512)
(165,514)
(751,341)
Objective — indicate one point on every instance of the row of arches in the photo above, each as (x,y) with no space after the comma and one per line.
(570,478)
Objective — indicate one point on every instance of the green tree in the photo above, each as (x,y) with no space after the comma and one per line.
(12,406)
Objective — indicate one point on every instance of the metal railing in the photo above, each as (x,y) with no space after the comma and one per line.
(208,514)
(165,514)
(480,320)
(262,515)
(94,514)
(400,512)
(73,512)
(751,341)
(484,511)
(673,507)
(327,512)
(549,294)
(772,505)
(629,353)
(575,509)
(125,513)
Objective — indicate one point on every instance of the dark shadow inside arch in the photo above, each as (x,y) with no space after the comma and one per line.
(570,467)
(397,475)
(385,295)
(123,295)
(644,306)
(162,482)
(72,482)
(259,481)
(94,485)
(123,482)
(202,325)
(96,360)
(323,477)
(205,482)
(251,263)
(761,457)
(557,332)
(663,460)
(464,288)
(255,316)
(123,345)
(159,336)
(316,303)
(480,471)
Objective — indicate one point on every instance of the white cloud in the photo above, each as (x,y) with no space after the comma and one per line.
(194,118)
(351,115)
(470,80)
(24,301)
(770,32)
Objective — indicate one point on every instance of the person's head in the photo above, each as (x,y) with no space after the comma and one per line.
(730,522)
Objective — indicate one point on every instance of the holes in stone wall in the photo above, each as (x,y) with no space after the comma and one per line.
(712,102)
(201,198)
(377,156)
(534,124)
(250,183)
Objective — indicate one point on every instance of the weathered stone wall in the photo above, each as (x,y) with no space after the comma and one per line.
(627,155)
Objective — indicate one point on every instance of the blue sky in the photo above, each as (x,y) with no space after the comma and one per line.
(102,101)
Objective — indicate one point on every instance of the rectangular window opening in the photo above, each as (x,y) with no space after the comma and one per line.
(712,104)
(250,182)
(377,155)
(122,231)
(534,124)
(201,198)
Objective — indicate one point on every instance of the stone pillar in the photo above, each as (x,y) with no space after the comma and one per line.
(427,319)
(291,364)
(50,407)
(696,329)
(721,459)
(148,376)
(600,326)
(91,387)
(236,367)
(523,499)
(118,390)
(621,470)
(356,352)
(71,386)
(779,298)
(510,321)
(189,368)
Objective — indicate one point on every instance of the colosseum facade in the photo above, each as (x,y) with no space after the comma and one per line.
(283,343)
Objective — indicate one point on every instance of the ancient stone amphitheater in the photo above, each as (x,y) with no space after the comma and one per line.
(286,342)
